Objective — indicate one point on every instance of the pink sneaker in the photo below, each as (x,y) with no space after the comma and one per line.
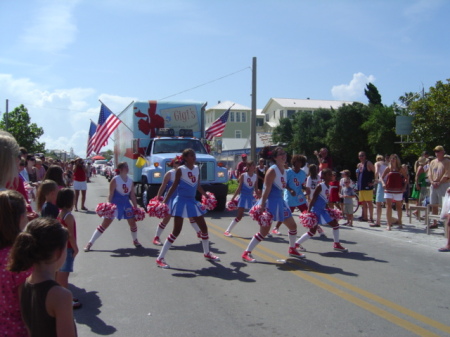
(162,264)
(293,252)
(228,234)
(211,257)
(156,241)
(247,257)
(338,247)
(275,231)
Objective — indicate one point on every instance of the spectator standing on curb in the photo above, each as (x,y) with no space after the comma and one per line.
(439,176)
(79,183)
(241,166)
(365,172)
(324,158)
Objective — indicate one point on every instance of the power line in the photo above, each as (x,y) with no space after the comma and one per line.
(178,93)
(203,84)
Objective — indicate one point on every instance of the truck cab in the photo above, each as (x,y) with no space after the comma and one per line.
(148,142)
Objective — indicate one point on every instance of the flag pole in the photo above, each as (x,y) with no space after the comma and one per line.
(119,114)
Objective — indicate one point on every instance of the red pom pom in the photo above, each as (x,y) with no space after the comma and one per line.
(106,210)
(335,214)
(232,205)
(308,219)
(255,212)
(265,219)
(139,214)
(157,208)
(209,201)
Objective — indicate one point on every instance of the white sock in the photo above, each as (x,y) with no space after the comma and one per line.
(170,239)
(232,225)
(205,243)
(303,238)
(160,229)
(194,225)
(257,238)
(99,231)
(292,237)
(134,233)
(336,234)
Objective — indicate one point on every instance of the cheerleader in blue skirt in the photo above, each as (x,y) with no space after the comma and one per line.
(272,198)
(247,185)
(318,206)
(186,206)
(168,180)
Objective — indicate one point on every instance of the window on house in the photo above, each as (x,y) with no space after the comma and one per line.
(259,121)
(281,114)
(267,118)
(237,134)
(238,117)
(274,115)
(231,116)
(290,114)
(244,117)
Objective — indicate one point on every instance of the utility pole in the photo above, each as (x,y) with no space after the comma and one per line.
(6,116)
(253,119)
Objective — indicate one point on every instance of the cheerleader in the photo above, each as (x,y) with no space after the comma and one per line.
(272,198)
(121,191)
(184,205)
(247,185)
(293,194)
(318,206)
(168,180)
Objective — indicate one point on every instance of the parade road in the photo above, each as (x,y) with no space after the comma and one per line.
(388,284)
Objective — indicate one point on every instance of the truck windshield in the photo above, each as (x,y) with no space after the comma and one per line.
(177,145)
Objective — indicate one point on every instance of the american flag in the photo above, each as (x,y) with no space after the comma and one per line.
(216,128)
(91,139)
(107,123)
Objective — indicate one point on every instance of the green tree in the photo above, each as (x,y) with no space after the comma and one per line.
(372,94)
(380,130)
(431,125)
(26,133)
(310,130)
(345,138)
(283,133)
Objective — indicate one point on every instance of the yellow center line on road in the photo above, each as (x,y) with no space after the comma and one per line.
(306,275)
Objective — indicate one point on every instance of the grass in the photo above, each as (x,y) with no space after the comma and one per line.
(232,186)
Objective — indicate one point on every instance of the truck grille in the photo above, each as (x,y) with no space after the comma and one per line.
(207,170)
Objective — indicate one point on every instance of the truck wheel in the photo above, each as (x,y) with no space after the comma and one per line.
(221,203)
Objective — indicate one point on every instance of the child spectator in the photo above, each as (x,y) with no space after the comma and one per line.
(347,194)
(13,219)
(64,201)
(46,306)
(333,200)
(46,199)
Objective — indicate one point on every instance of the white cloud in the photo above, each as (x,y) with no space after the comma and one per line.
(53,28)
(64,114)
(354,89)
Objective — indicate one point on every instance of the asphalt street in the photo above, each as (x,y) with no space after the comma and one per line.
(388,284)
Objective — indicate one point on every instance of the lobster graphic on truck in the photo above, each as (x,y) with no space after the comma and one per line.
(152,133)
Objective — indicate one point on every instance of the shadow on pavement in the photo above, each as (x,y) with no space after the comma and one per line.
(88,313)
(308,265)
(218,271)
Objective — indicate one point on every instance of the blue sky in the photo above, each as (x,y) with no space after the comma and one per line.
(58,58)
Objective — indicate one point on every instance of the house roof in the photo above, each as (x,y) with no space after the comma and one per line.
(226,104)
(308,103)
